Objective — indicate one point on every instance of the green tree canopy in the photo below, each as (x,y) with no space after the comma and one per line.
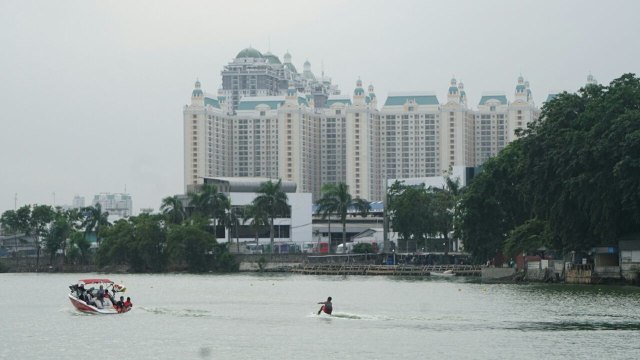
(573,176)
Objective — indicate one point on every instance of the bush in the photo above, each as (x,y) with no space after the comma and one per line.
(363,248)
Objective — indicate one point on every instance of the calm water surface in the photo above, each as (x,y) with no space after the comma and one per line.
(266,316)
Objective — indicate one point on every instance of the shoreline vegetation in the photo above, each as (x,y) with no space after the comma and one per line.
(567,186)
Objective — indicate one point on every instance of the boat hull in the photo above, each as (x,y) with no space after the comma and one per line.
(90,309)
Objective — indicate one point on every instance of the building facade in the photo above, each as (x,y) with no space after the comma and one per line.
(270,121)
(119,205)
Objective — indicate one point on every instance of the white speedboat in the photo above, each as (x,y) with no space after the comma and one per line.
(78,297)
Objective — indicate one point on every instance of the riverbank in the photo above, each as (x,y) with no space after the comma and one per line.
(369,265)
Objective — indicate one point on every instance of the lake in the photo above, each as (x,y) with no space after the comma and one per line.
(273,316)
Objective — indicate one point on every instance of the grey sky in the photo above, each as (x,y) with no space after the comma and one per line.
(91,92)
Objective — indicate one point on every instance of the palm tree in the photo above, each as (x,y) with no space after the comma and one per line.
(231,221)
(325,211)
(209,202)
(173,209)
(337,199)
(95,220)
(256,218)
(273,202)
(447,208)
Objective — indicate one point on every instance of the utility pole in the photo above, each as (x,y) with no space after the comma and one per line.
(15,230)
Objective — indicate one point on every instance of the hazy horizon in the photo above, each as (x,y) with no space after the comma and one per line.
(92,92)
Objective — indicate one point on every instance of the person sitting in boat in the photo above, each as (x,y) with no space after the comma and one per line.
(128,304)
(119,305)
(88,298)
(100,298)
(108,300)
(327,307)
(80,291)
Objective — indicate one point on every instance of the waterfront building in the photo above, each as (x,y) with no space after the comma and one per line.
(241,192)
(269,120)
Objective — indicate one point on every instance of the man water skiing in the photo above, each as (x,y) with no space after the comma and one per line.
(327,307)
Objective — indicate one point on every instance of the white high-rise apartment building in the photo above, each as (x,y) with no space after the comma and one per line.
(310,134)
(115,204)
(77,202)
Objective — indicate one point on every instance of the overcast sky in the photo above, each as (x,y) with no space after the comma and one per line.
(92,92)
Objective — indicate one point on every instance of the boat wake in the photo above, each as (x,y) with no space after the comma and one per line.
(346,316)
(176,312)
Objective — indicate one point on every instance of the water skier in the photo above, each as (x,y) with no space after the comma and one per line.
(327,307)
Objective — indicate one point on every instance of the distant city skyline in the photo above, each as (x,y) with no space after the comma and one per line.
(92,91)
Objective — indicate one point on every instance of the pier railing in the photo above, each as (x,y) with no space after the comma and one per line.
(394,270)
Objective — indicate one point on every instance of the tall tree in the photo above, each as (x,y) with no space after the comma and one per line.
(272,201)
(209,203)
(173,209)
(189,244)
(570,180)
(41,218)
(95,220)
(493,204)
(337,199)
(446,209)
(11,224)
(231,222)
(60,231)
(584,158)
(409,210)
(257,219)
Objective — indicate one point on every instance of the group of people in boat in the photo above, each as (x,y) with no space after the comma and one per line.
(101,298)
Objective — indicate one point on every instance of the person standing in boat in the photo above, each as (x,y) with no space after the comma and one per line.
(128,304)
(327,307)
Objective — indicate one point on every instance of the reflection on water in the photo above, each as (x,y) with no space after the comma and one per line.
(575,326)
(273,316)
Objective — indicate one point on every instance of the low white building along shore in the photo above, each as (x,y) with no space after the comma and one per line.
(241,191)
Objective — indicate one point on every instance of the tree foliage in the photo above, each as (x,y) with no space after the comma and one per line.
(363,248)
(571,180)
(336,199)
(419,213)
(273,202)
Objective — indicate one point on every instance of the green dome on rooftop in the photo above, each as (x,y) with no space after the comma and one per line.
(249,53)
(271,59)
